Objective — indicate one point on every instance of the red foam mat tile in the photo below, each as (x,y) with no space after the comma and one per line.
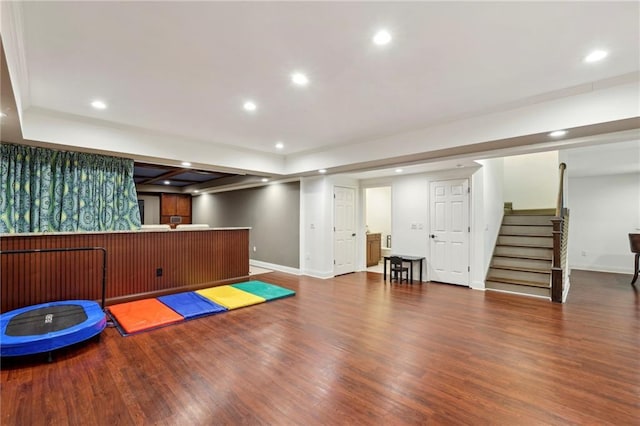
(143,315)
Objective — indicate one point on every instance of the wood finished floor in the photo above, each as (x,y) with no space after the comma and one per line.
(355,350)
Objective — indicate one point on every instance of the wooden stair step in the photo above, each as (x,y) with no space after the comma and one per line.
(520,274)
(523,245)
(519,289)
(515,256)
(519,242)
(511,234)
(530,224)
(520,269)
(544,227)
(526,220)
(518,282)
(521,262)
(519,251)
(533,212)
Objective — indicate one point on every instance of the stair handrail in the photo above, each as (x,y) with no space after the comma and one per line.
(560,202)
(559,230)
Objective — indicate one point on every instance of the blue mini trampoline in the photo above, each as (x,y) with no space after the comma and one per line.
(49,326)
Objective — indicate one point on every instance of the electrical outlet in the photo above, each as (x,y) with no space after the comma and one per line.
(159,272)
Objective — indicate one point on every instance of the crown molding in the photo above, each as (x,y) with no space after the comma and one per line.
(13,43)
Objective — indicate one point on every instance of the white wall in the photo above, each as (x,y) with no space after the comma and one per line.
(493,204)
(316,245)
(531,180)
(151,209)
(271,211)
(487,205)
(603,211)
(409,206)
(378,211)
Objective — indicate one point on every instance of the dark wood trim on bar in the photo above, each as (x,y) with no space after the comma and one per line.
(188,260)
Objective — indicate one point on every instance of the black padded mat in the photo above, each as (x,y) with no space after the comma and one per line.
(46,320)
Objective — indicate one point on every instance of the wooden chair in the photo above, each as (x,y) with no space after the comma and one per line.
(634,242)
(398,269)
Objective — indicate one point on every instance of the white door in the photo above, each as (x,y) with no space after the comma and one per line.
(449,232)
(344,246)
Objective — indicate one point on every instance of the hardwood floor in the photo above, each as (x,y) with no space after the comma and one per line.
(355,350)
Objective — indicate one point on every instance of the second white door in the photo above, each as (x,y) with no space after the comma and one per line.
(344,238)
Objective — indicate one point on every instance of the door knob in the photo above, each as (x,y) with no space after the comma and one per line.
(432,235)
(353,235)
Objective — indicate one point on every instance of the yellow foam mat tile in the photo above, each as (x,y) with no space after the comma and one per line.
(230,297)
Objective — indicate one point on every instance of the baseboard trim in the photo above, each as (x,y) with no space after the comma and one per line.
(318,274)
(172,290)
(607,269)
(293,271)
(478,285)
(275,267)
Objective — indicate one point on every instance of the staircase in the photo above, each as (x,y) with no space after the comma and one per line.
(523,254)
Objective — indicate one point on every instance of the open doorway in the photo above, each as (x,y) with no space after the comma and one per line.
(378,226)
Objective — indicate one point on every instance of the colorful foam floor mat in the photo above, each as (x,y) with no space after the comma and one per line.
(264,290)
(229,297)
(147,314)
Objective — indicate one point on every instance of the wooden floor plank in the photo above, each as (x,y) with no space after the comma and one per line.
(355,350)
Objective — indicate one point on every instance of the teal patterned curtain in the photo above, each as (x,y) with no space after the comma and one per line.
(43,190)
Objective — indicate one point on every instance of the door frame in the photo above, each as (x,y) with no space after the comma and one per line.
(469,242)
(355,237)
(363,216)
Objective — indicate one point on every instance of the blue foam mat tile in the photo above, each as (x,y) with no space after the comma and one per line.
(191,305)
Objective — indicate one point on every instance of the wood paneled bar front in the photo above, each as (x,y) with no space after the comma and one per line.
(139,264)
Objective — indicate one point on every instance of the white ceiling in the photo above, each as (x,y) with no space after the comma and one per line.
(185,68)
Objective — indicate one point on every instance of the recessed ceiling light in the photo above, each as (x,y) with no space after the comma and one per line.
(250,106)
(186,164)
(596,55)
(398,170)
(99,105)
(264,180)
(322,171)
(166,182)
(558,133)
(382,38)
(279,145)
(299,79)
(196,191)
